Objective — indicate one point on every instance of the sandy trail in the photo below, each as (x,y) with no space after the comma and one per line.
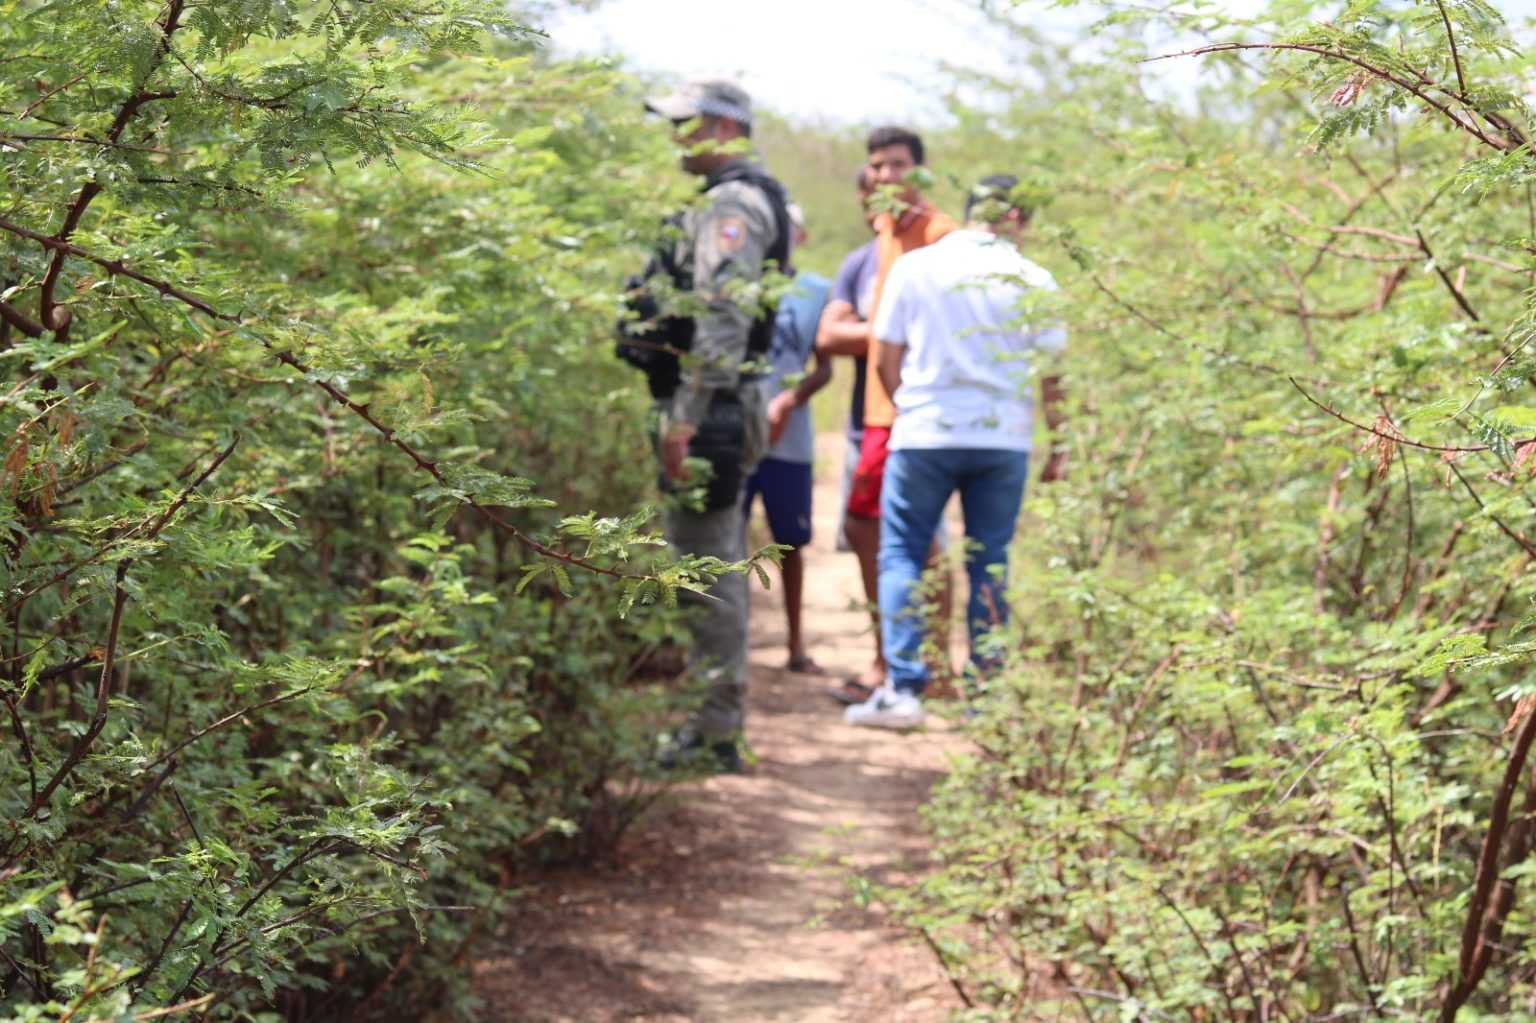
(731,901)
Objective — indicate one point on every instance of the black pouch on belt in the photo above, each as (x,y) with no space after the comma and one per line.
(719,442)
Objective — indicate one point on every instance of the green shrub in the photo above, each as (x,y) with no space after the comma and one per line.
(1254,744)
(305,333)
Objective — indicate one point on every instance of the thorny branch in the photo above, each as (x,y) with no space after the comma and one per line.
(220,723)
(82,140)
(104,681)
(55,316)
(1504,528)
(115,267)
(1396,438)
(16,318)
(1450,36)
(1445,278)
(151,523)
(1205,950)
(1414,88)
(1485,915)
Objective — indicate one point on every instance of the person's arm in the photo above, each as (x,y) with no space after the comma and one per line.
(1052,397)
(888,330)
(840,331)
(730,242)
(787,401)
(888,364)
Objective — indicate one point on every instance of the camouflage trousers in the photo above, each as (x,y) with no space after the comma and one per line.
(718,622)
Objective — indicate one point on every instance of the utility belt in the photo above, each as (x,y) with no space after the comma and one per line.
(729,440)
(655,345)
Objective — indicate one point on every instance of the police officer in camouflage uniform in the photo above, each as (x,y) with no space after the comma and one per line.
(709,405)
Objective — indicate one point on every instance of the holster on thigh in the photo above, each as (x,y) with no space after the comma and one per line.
(719,442)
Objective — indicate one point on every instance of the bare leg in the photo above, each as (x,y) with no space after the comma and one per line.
(793,567)
(863,534)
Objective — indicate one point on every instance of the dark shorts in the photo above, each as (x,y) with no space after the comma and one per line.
(864,500)
(786,491)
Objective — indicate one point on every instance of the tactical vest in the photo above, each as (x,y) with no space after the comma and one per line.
(662,339)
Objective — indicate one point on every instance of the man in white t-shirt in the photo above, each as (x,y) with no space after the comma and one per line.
(956,325)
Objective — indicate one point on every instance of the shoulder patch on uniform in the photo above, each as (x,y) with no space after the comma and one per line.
(732,234)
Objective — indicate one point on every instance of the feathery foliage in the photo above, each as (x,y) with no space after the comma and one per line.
(308,644)
(1264,750)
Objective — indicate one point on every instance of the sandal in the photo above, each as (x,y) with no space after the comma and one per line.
(850,691)
(804,665)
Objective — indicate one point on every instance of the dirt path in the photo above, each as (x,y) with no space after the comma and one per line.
(730,903)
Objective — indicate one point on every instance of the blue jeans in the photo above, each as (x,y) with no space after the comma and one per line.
(918,482)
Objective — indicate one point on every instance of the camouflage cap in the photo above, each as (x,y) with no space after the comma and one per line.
(718,97)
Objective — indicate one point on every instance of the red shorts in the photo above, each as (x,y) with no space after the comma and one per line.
(864,497)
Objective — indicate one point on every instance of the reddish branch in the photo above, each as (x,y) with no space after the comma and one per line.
(1370,983)
(16,318)
(1493,895)
(1408,543)
(54,316)
(1218,975)
(1518,538)
(280,100)
(48,95)
(1372,232)
(153,524)
(82,140)
(1445,278)
(364,413)
(1395,438)
(109,658)
(115,267)
(1325,541)
(19,729)
(1414,88)
(1502,264)
(1324,248)
(221,722)
(1143,317)
(103,691)
(1450,37)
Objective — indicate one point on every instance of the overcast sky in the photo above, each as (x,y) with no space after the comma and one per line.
(851,60)
(844,60)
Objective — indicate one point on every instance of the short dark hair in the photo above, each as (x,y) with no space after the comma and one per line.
(891,135)
(996,188)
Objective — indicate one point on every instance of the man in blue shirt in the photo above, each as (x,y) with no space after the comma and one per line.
(783,478)
(844,330)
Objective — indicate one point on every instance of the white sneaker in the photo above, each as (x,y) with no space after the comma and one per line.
(886,709)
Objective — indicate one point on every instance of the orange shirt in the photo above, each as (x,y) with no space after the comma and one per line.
(917,226)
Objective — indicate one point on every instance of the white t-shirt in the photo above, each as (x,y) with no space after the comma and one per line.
(964,378)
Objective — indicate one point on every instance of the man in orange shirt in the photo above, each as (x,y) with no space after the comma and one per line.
(894,153)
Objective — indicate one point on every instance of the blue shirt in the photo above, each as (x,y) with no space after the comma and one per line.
(855,284)
(794,340)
